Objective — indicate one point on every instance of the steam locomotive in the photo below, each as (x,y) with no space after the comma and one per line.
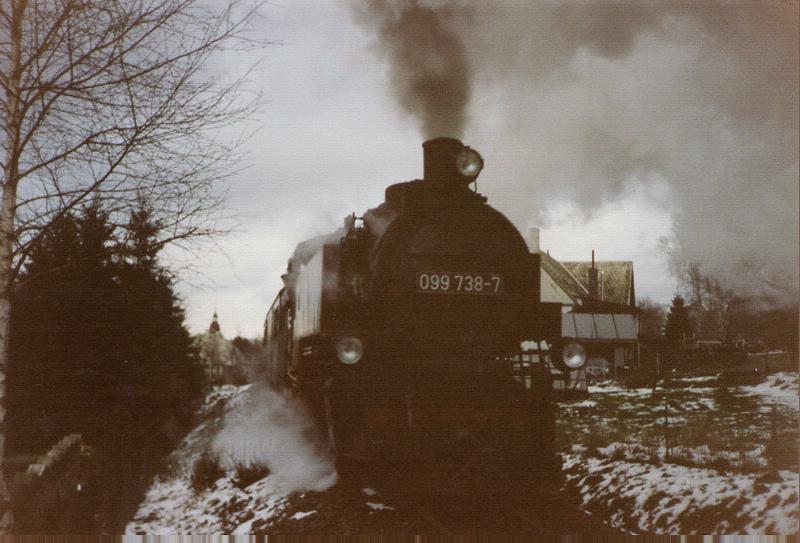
(403,331)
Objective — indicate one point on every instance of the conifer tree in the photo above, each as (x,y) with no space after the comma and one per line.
(678,325)
(158,342)
(62,355)
(98,344)
(104,99)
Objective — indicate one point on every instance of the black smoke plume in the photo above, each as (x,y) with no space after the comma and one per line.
(430,76)
(590,101)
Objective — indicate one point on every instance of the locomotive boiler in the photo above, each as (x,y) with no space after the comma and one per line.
(403,331)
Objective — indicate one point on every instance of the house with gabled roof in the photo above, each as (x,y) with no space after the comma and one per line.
(614,281)
(571,283)
(558,284)
(598,307)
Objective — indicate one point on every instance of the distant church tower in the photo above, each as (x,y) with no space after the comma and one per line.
(214,327)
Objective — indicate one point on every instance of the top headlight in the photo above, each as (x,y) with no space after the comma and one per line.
(469,162)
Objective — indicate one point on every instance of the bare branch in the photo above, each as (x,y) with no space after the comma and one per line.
(114,100)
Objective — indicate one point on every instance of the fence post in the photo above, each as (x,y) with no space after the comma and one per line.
(773,419)
(773,431)
(667,447)
(658,373)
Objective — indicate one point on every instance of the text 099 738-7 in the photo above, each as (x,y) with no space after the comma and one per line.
(459,283)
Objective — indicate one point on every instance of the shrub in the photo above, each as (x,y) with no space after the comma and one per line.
(205,472)
(618,453)
(720,463)
(770,476)
(751,463)
(247,475)
(599,436)
(781,455)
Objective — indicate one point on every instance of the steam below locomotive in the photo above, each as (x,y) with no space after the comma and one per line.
(403,331)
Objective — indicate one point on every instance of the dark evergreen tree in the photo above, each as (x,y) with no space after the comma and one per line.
(98,344)
(34,396)
(168,375)
(64,319)
(678,326)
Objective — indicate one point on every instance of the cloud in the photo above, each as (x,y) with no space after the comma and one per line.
(574,99)
(567,102)
(628,227)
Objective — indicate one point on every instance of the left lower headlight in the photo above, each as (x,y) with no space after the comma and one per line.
(349,350)
(573,356)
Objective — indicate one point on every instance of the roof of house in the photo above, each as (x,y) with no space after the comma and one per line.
(563,277)
(616,279)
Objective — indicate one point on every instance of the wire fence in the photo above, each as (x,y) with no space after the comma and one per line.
(705,424)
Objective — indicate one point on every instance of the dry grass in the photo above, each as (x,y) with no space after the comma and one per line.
(690,422)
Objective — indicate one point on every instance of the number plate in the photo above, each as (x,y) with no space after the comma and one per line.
(459,283)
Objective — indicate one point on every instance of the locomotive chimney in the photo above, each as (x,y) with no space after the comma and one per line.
(593,280)
(439,159)
(449,165)
(533,239)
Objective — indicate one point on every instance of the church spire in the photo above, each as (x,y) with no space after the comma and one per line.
(214,327)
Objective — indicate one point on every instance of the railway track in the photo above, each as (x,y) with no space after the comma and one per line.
(554,517)
(491,507)
(358,510)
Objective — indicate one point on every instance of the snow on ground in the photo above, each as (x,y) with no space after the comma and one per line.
(242,428)
(247,430)
(612,387)
(672,499)
(777,388)
(219,396)
(379,506)
(171,506)
(731,466)
(720,475)
(699,379)
(300,515)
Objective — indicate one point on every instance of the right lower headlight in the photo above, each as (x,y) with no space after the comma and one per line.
(573,355)
(349,350)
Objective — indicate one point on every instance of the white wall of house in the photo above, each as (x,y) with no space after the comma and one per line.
(551,292)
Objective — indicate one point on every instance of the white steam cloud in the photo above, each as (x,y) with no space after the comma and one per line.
(273,429)
(572,100)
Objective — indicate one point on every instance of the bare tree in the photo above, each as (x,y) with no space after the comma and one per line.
(652,316)
(712,301)
(110,99)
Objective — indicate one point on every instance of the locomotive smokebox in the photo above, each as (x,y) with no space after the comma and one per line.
(449,164)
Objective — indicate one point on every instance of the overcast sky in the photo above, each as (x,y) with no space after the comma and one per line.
(609,129)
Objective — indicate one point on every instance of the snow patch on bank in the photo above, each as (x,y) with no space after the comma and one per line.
(379,506)
(672,499)
(730,467)
(172,507)
(300,515)
(245,427)
(778,388)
